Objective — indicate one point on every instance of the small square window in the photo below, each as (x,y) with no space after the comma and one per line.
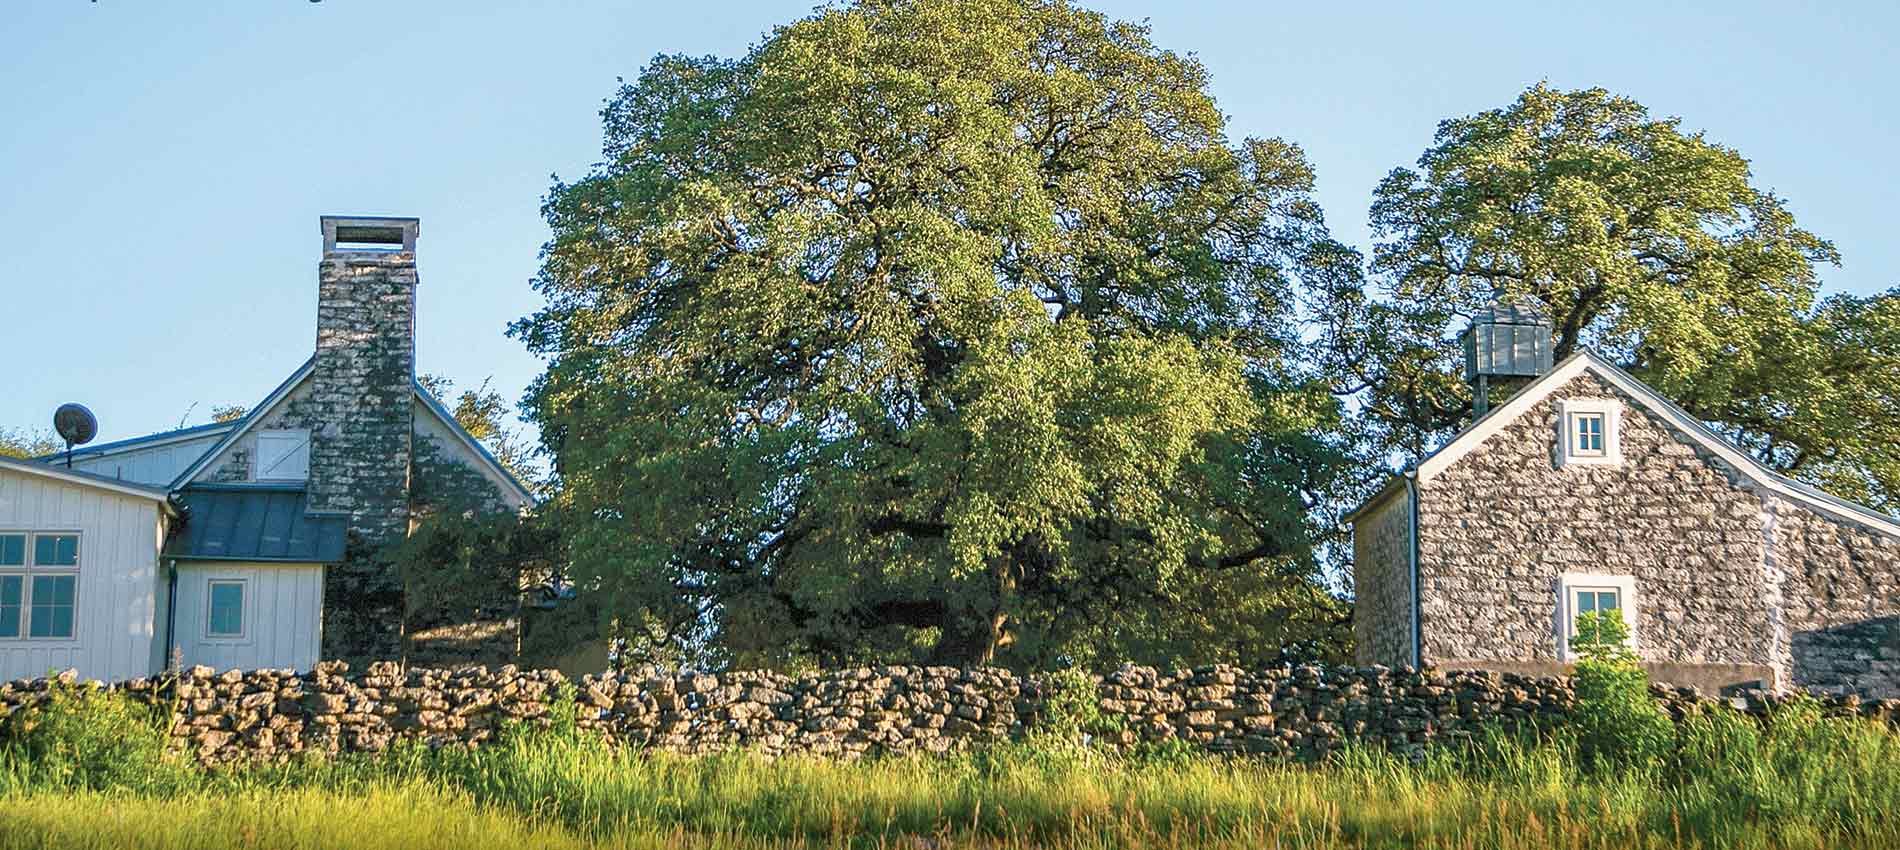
(1592,600)
(226,609)
(1580,594)
(55,550)
(12,550)
(1587,432)
(52,607)
(12,589)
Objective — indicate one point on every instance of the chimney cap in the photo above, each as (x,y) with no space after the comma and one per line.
(369,233)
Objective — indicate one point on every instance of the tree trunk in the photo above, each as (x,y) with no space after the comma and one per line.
(971,638)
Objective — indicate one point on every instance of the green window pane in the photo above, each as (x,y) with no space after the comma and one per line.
(226,609)
(55,550)
(12,550)
(1586,603)
(10,594)
(1607,601)
(51,612)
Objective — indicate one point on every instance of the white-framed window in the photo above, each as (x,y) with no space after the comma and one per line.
(224,609)
(283,455)
(1589,431)
(1590,593)
(39,584)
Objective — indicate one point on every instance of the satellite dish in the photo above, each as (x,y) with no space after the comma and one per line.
(76,425)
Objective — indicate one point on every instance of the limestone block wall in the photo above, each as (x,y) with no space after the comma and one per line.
(1838,624)
(1285,713)
(1382,582)
(1501,524)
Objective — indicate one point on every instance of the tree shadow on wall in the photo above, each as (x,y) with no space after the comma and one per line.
(1860,657)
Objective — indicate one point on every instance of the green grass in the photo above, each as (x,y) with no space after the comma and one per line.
(1803,781)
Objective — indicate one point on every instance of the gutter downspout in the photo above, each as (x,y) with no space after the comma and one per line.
(171,610)
(1418,634)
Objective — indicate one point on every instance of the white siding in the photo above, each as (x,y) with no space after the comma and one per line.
(115,602)
(283,615)
(154,465)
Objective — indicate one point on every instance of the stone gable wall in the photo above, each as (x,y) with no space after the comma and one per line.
(1838,627)
(1727,576)
(1501,524)
(234,464)
(1382,583)
(1298,713)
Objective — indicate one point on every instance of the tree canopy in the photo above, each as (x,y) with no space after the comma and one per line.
(1645,242)
(955,331)
(28,442)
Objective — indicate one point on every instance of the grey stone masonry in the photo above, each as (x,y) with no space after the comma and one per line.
(362,439)
(361,388)
(1731,582)
(1282,714)
(1382,581)
(1500,526)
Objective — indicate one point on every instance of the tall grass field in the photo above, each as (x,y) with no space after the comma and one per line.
(91,771)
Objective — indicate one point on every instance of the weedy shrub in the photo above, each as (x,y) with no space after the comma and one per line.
(1619,726)
(82,737)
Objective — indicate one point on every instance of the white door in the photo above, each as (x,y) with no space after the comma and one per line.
(249,616)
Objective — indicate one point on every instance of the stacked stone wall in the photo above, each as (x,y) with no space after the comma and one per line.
(1288,713)
(1382,582)
(1838,624)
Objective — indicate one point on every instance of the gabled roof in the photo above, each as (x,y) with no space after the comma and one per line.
(255,522)
(148,441)
(86,479)
(1585,360)
(442,413)
(263,408)
(244,425)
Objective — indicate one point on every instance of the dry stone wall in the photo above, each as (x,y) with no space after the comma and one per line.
(1289,713)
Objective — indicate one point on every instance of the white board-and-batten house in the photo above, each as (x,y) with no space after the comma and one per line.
(253,543)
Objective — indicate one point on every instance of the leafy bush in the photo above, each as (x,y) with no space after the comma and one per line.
(1619,726)
(82,737)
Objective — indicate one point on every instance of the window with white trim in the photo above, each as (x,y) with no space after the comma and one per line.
(1589,431)
(224,609)
(39,584)
(283,455)
(1584,593)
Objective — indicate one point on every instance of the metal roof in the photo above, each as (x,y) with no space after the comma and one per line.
(84,478)
(252,417)
(254,522)
(1735,456)
(441,411)
(134,442)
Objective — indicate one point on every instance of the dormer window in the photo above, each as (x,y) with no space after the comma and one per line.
(283,455)
(1589,431)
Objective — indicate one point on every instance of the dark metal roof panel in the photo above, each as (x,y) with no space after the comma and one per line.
(254,523)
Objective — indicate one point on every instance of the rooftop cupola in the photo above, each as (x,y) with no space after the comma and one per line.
(1504,341)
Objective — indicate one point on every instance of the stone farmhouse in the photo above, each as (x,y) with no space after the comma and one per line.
(1587,491)
(253,543)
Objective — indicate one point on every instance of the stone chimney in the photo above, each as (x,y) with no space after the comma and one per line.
(362,381)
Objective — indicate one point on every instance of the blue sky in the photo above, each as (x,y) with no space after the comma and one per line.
(164,164)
